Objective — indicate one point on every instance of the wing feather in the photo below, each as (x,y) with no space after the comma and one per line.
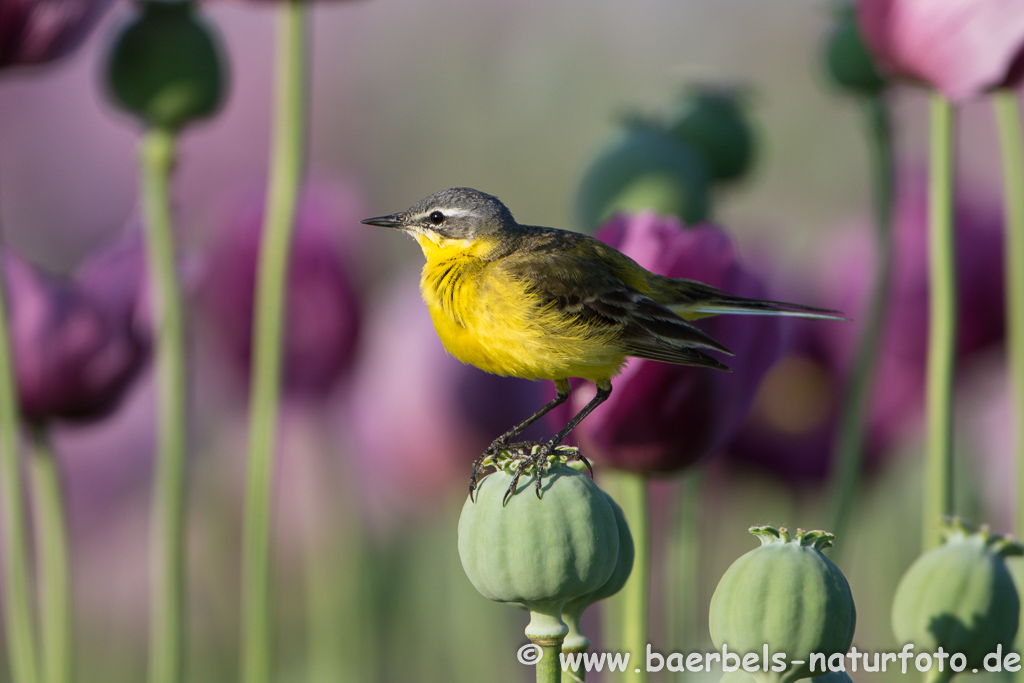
(571,273)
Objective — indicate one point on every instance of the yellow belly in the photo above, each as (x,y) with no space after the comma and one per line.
(496,325)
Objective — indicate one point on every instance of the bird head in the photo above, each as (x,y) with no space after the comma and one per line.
(459,216)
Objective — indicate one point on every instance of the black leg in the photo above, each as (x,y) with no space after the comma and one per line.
(602,395)
(563,389)
(603,392)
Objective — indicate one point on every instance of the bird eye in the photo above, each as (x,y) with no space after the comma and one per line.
(437,218)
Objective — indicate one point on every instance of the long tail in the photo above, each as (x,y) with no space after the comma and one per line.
(692,300)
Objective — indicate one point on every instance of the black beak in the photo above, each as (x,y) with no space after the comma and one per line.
(392,221)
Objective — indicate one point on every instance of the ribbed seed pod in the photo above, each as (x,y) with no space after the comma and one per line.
(575,641)
(785,595)
(540,552)
(741,676)
(959,596)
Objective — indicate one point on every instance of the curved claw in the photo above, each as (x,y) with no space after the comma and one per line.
(474,478)
(583,459)
(511,489)
(523,464)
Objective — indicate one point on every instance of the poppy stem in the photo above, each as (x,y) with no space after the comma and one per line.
(942,319)
(18,626)
(50,516)
(682,580)
(633,499)
(286,167)
(1007,111)
(157,155)
(549,666)
(856,400)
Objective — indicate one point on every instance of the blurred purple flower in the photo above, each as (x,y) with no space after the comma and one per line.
(791,429)
(660,417)
(961,47)
(781,435)
(76,349)
(116,275)
(40,31)
(322,307)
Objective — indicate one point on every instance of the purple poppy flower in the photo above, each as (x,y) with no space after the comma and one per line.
(40,31)
(960,47)
(322,307)
(660,417)
(815,370)
(76,350)
(791,429)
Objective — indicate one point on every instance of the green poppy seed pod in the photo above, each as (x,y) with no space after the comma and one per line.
(713,122)
(575,641)
(833,677)
(848,62)
(959,596)
(165,66)
(741,676)
(785,595)
(540,552)
(1015,564)
(643,168)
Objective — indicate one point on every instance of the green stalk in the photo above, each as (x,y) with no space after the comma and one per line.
(1007,111)
(549,666)
(54,561)
(633,493)
(18,626)
(856,400)
(547,632)
(938,496)
(285,177)
(157,156)
(682,592)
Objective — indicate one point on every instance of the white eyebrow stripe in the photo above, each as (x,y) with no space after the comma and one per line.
(449,213)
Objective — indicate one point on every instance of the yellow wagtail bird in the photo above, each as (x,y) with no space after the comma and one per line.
(542,303)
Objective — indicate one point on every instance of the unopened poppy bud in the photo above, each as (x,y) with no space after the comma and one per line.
(642,167)
(166,65)
(713,122)
(848,62)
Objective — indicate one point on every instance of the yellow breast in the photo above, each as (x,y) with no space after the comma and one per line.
(499,325)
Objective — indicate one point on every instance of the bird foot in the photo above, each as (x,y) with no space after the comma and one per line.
(489,457)
(535,459)
(520,458)
(541,456)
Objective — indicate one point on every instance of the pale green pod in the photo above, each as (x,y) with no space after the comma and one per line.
(540,552)
(786,595)
(575,641)
(960,596)
(741,676)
